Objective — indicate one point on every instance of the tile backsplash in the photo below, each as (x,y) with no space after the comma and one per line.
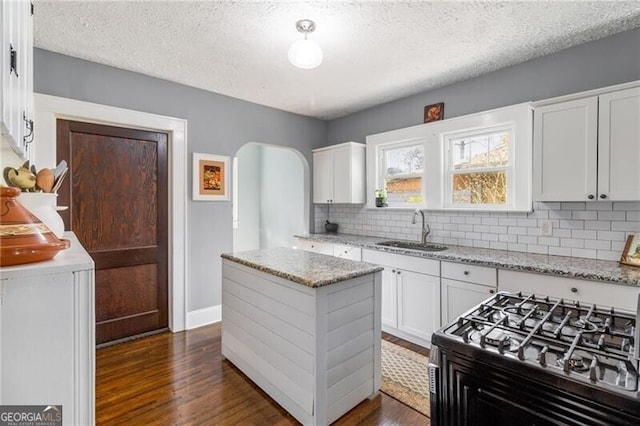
(589,230)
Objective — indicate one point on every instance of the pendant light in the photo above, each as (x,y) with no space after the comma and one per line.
(305,53)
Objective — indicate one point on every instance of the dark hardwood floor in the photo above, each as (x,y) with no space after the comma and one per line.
(182,379)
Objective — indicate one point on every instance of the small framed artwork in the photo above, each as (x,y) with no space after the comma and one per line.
(210,177)
(631,253)
(434,112)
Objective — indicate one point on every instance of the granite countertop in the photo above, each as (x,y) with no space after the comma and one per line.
(564,266)
(302,267)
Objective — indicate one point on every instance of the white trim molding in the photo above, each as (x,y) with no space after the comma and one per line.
(204,316)
(49,108)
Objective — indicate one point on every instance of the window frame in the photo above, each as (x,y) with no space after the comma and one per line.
(449,172)
(381,175)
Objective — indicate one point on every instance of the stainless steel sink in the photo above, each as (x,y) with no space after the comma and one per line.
(412,246)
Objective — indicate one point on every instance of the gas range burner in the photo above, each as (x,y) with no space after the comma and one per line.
(585,342)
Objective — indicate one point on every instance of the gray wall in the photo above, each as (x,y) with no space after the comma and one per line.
(605,62)
(216,125)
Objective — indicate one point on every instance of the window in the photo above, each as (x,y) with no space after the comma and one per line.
(402,169)
(479,168)
(478,162)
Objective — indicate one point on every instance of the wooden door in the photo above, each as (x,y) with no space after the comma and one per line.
(116,191)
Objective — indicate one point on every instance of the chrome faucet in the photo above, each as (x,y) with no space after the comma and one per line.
(425,227)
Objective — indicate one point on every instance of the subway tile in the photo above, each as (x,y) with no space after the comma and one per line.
(584,215)
(538,214)
(527,222)
(516,247)
(508,221)
(458,234)
(450,227)
(489,221)
(633,215)
(599,225)
(481,244)
(549,241)
(465,242)
(533,231)
(600,205)
(517,230)
(546,206)
(625,226)
(587,253)
(618,246)
(573,206)
(498,230)
(474,220)
(473,235)
(495,245)
(608,255)
(489,237)
(508,238)
(533,248)
(453,241)
(465,227)
(597,244)
(626,205)
(579,233)
(561,233)
(458,219)
(560,251)
(617,215)
(526,239)
(481,228)
(560,214)
(572,242)
(612,235)
(572,224)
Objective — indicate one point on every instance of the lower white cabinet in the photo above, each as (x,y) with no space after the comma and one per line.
(337,250)
(47,341)
(602,294)
(410,295)
(464,287)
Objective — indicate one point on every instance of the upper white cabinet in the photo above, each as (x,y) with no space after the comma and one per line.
(338,174)
(587,149)
(16,121)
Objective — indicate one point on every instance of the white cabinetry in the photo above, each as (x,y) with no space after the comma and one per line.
(47,341)
(602,294)
(587,149)
(337,250)
(410,295)
(464,287)
(17,75)
(338,174)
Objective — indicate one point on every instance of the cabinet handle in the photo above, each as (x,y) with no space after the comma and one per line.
(603,196)
(466,272)
(590,196)
(28,138)
(398,272)
(492,291)
(393,271)
(13,60)
(574,290)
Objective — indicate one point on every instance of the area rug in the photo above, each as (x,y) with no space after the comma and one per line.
(405,376)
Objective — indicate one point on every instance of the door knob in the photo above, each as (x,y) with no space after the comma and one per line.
(603,196)
(574,290)
(590,196)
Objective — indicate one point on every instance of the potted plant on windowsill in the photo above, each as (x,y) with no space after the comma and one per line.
(381,198)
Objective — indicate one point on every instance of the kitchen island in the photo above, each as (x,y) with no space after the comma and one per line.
(305,327)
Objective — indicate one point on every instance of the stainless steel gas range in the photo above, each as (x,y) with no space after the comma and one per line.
(521,359)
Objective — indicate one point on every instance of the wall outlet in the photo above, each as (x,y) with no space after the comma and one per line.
(546,228)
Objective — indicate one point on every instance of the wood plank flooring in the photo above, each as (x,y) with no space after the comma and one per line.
(182,379)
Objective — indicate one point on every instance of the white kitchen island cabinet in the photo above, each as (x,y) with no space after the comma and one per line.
(305,327)
(47,343)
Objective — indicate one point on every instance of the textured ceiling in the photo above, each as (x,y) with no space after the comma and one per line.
(374,51)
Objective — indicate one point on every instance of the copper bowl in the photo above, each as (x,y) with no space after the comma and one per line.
(23,237)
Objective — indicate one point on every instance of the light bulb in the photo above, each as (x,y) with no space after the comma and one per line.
(305,54)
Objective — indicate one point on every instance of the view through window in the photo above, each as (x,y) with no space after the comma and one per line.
(402,170)
(478,168)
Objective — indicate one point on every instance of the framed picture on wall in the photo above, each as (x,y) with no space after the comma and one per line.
(434,112)
(631,252)
(210,177)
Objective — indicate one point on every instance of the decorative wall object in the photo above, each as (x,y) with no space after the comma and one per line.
(210,177)
(631,252)
(434,112)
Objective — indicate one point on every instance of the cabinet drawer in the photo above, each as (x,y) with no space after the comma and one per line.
(314,246)
(347,252)
(602,294)
(408,263)
(470,273)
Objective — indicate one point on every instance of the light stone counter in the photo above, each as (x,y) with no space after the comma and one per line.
(564,266)
(302,267)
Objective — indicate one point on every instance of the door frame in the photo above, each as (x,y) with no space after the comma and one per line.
(49,108)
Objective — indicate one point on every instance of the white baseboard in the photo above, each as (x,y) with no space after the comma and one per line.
(204,316)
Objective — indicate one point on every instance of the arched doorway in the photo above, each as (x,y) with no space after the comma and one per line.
(270,196)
